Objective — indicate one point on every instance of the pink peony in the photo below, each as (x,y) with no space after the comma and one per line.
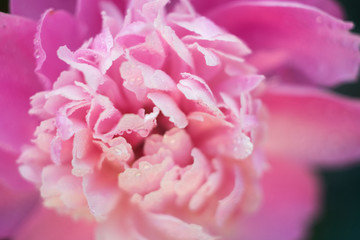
(181,120)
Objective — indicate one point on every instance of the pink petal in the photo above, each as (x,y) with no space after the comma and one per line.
(145,178)
(175,43)
(196,89)
(169,108)
(289,205)
(9,172)
(15,206)
(88,16)
(328,6)
(18,81)
(17,196)
(34,8)
(312,126)
(140,123)
(48,40)
(176,140)
(227,206)
(47,224)
(101,192)
(193,178)
(331,58)
(169,227)
(85,153)
(92,75)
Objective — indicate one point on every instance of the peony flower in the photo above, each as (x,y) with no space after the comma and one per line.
(171,120)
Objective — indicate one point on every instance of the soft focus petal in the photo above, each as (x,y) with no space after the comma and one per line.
(289,204)
(17,197)
(312,126)
(34,8)
(88,16)
(15,206)
(47,224)
(328,6)
(9,173)
(17,81)
(284,31)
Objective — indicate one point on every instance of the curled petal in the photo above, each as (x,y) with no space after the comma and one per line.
(169,108)
(330,59)
(47,41)
(195,89)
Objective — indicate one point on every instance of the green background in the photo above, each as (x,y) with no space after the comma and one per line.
(340,219)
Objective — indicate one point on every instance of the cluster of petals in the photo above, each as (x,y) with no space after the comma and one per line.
(150,119)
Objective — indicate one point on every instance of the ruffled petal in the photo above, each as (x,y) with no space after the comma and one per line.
(290,203)
(312,126)
(280,34)
(47,224)
(17,81)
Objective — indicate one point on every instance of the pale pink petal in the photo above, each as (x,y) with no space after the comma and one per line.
(47,224)
(225,43)
(168,227)
(18,81)
(151,52)
(206,191)
(312,126)
(176,44)
(228,205)
(195,89)
(193,178)
(169,108)
(62,190)
(241,84)
(85,153)
(141,124)
(141,78)
(92,75)
(145,178)
(176,140)
(34,8)
(330,59)
(101,192)
(289,205)
(31,162)
(329,6)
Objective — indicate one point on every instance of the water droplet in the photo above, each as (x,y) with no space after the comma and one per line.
(37,54)
(147,166)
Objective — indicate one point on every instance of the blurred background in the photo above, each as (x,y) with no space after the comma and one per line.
(340,218)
